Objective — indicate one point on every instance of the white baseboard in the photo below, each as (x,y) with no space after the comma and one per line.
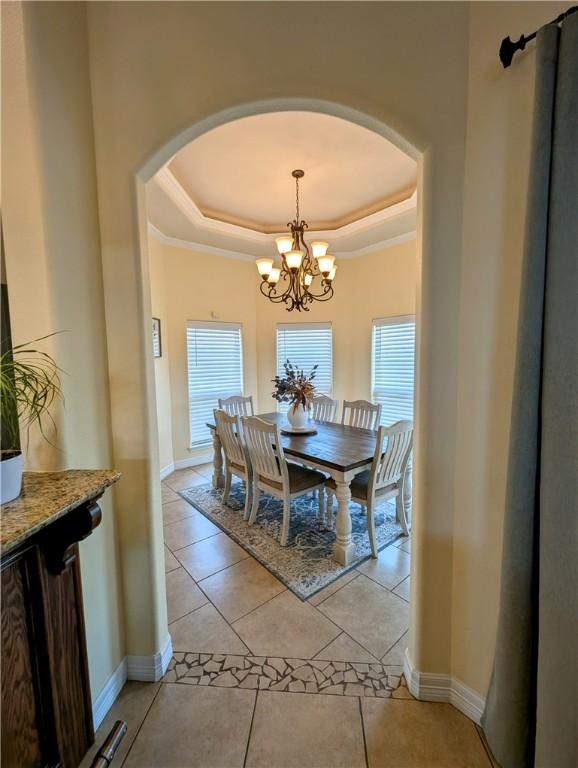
(428,686)
(168,470)
(107,696)
(150,668)
(203,457)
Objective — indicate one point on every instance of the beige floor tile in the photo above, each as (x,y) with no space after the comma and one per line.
(171,561)
(405,544)
(194,728)
(168,494)
(285,626)
(185,478)
(370,614)
(132,705)
(205,469)
(402,589)
(343,648)
(183,595)
(205,630)
(418,734)
(396,654)
(210,555)
(188,531)
(391,567)
(173,511)
(300,731)
(241,588)
(324,593)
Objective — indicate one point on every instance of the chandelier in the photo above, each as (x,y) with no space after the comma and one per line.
(302,277)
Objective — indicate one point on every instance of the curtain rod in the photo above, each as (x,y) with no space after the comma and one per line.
(508,47)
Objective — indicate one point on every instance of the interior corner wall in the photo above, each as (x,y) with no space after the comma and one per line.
(380,284)
(160,310)
(52,249)
(499,125)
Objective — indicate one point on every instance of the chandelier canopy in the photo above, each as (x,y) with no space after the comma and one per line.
(302,277)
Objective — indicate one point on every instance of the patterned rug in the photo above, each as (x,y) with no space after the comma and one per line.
(306,564)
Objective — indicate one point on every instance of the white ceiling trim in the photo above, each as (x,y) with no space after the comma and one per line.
(197,247)
(228,254)
(168,182)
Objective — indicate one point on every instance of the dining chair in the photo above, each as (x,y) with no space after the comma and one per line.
(324,408)
(237,405)
(274,474)
(385,480)
(361,413)
(237,462)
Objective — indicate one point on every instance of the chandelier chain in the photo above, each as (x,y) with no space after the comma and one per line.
(297,196)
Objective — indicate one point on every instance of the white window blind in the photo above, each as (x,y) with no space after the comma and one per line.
(306,345)
(392,373)
(215,370)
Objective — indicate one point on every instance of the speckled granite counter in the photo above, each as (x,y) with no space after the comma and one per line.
(45,497)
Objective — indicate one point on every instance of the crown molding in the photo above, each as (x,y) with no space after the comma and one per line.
(175,191)
(188,245)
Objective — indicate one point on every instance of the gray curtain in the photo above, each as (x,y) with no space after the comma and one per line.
(531,715)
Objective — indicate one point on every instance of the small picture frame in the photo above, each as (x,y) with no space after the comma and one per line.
(157,346)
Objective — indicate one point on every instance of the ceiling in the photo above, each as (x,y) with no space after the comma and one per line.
(231,189)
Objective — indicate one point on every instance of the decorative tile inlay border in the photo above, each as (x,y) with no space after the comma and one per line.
(342,678)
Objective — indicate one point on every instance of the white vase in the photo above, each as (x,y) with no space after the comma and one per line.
(10,478)
(298,416)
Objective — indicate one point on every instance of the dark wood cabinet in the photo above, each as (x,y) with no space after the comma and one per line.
(46,705)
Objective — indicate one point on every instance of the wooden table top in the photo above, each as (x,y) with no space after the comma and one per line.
(335,445)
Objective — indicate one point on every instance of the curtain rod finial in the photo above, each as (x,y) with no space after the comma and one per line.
(508,48)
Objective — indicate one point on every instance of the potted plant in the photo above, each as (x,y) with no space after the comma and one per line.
(29,384)
(298,389)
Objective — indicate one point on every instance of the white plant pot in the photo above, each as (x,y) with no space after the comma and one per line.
(10,478)
(297,416)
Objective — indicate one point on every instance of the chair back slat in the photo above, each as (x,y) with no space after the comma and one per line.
(237,405)
(361,413)
(263,441)
(389,464)
(230,434)
(324,408)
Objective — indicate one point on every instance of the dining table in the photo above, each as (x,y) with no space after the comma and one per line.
(338,450)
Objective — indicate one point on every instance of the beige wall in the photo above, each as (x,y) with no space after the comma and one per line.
(160,72)
(159,307)
(382,284)
(54,276)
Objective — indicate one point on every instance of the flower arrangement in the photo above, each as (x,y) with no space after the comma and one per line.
(296,387)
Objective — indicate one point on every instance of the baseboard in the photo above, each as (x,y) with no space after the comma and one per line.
(149,669)
(168,470)
(203,457)
(193,461)
(108,693)
(428,686)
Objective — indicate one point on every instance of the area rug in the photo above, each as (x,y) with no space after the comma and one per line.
(306,564)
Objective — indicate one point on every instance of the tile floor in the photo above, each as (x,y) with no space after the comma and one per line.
(227,612)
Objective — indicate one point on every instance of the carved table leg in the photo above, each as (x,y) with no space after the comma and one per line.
(218,476)
(344,548)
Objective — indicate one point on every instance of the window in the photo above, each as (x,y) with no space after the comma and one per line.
(215,370)
(392,369)
(305,345)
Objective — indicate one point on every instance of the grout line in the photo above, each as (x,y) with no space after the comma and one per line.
(210,536)
(387,589)
(327,644)
(250,729)
(141,724)
(333,593)
(396,642)
(363,733)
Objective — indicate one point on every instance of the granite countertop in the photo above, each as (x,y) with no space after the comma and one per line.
(45,497)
